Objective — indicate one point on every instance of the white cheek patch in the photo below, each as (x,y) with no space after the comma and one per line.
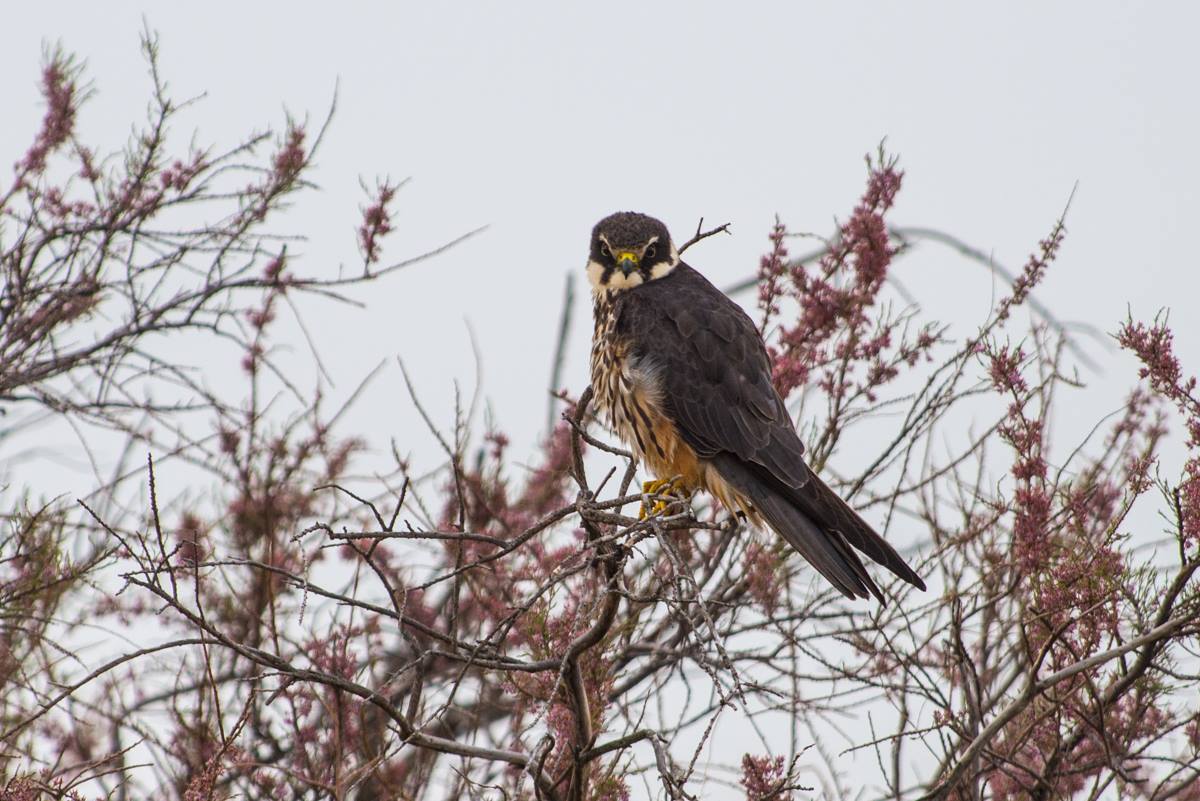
(617,280)
(663,267)
(594,272)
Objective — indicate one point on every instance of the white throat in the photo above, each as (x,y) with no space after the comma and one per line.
(618,281)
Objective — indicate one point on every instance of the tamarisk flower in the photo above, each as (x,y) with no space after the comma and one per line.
(60,91)
(835,298)
(376,222)
(1154,346)
(763,778)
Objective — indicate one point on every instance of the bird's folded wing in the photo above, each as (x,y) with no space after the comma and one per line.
(715,379)
(713,372)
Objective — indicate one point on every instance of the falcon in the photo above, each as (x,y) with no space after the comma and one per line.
(683,377)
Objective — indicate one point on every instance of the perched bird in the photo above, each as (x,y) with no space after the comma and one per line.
(683,377)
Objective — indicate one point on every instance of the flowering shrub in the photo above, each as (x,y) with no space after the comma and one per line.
(487,630)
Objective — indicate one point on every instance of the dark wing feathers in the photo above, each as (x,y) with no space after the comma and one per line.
(716,382)
(825,550)
(819,502)
(715,373)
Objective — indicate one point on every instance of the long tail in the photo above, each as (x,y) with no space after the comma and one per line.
(820,526)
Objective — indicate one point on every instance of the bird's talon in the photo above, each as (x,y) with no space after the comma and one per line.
(671,487)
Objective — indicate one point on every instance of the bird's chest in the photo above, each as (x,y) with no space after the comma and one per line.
(612,376)
(629,393)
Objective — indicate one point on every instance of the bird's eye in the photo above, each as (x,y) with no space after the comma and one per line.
(650,251)
(604,251)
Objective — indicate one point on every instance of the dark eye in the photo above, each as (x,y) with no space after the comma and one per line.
(650,251)
(604,250)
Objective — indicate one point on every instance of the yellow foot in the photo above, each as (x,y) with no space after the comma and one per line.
(665,491)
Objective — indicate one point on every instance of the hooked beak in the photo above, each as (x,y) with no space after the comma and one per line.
(627,262)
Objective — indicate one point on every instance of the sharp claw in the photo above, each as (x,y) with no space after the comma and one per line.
(660,486)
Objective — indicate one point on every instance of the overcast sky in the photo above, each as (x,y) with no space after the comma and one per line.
(538,119)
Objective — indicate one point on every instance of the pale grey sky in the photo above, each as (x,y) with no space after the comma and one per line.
(539,118)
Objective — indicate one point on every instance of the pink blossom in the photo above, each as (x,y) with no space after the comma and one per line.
(376,222)
(839,331)
(772,269)
(1154,346)
(61,94)
(761,566)
(763,777)
(291,157)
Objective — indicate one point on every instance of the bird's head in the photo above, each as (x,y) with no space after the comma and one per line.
(628,249)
